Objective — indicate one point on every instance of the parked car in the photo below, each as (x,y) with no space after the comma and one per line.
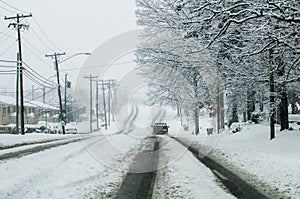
(160,128)
(48,127)
(71,128)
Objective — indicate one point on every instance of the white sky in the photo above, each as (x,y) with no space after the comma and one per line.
(73,26)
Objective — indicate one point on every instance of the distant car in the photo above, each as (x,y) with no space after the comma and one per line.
(160,128)
(71,128)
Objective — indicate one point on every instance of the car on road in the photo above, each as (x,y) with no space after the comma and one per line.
(160,128)
(71,128)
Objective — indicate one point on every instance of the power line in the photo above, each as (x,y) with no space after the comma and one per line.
(5,37)
(41,40)
(99,66)
(37,75)
(36,82)
(40,95)
(5,66)
(30,45)
(4,33)
(47,64)
(45,35)
(13,7)
(36,79)
(8,61)
(8,48)
(7,9)
(8,72)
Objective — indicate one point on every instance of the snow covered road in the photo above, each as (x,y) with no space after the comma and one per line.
(89,168)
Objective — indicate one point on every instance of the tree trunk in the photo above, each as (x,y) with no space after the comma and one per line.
(272,104)
(234,113)
(272,97)
(284,117)
(222,110)
(261,105)
(196,115)
(250,104)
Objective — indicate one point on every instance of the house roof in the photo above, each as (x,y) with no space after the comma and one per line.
(27,103)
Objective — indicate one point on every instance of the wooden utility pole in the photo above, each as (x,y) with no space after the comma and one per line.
(102,83)
(91,99)
(110,84)
(66,86)
(97,104)
(44,94)
(17,94)
(32,92)
(61,115)
(19,26)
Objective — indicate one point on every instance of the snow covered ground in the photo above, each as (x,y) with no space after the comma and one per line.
(91,168)
(181,175)
(9,139)
(271,166)
(95,167)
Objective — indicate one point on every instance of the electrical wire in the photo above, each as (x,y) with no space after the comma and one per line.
(4,33)
(17,9)
(7,71)
(5,37)
(5,66)
(41,40)
(7,9)
(38,79)
(52,89)
(45,35)
(38,57)
(99,66)
(26,43)
(8,61)
(39,76)
(8,48)
(35,81)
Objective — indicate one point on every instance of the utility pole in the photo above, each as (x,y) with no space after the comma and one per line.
(104,102)
(32,92)
(109,101)
(17,94)
(19,26)
(97,104)
(111,84)
(44,94)
(61,116)
(66,86)
(91,99)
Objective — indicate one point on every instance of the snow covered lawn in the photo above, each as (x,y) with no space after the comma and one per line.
(271,166)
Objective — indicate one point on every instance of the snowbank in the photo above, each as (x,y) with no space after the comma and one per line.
(271,166)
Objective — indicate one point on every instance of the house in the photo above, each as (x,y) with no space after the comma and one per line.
(34,111)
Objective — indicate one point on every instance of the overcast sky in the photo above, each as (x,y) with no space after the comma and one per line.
(72,26)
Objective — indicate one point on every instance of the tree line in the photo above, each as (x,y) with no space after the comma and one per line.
(197,53)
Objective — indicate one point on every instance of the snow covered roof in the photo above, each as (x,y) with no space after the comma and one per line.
(27,103)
